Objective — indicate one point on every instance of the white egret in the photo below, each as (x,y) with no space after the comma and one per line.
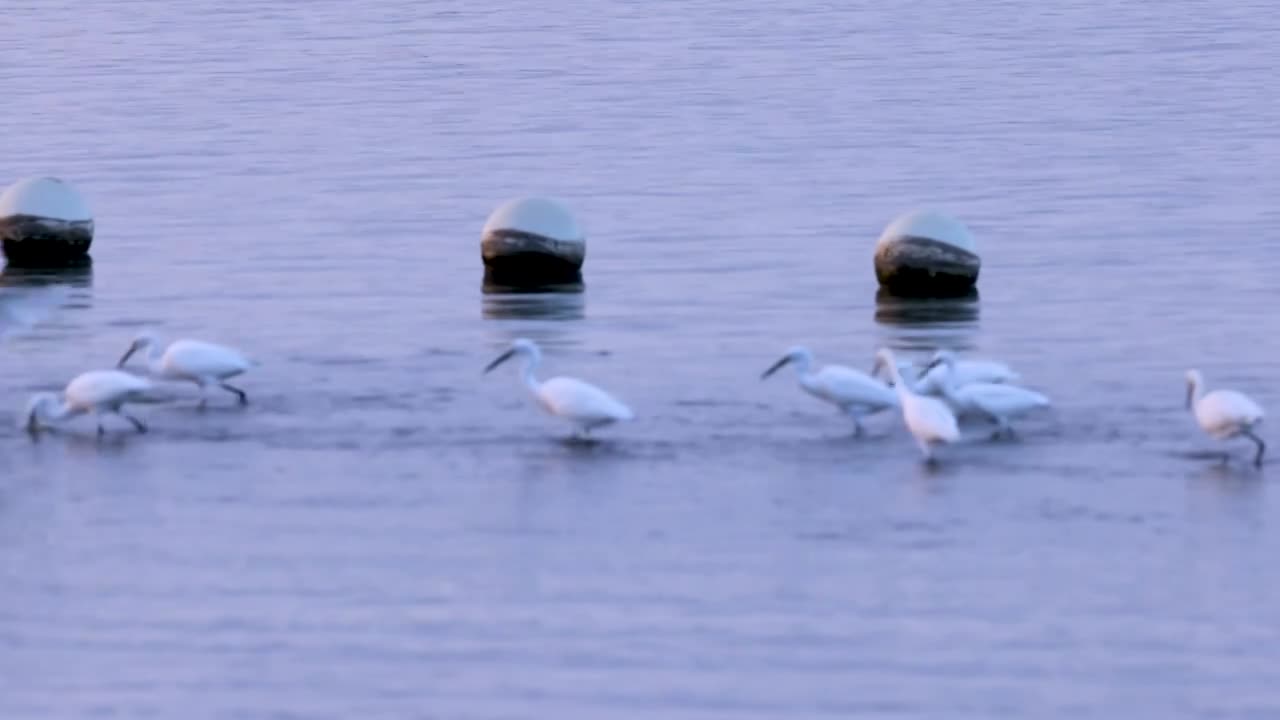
(585,406)
(1000,402)
(928,419)
(1224,414)
(194,361)
(854,393)
(101,392)
(963,371)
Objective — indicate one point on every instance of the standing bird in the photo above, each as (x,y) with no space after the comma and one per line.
(962,372)
(194,361)
(1000,402)
(928,419)
(854,393)
(101,392)
(585,406)
(1224,414)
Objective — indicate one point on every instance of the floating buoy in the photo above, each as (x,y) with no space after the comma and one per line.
(927,254)
(44,222)
(532,242)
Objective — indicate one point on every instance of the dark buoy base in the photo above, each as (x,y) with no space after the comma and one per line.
(917,267)
(531,272)
(517,259)
(31,241)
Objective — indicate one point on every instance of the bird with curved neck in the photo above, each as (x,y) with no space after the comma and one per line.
(999,402)
(584,405)
(195,361)
(100,392)
(929,380)
(855,394)
(1225,414)
(928,419)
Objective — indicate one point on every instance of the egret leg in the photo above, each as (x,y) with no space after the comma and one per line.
(137,424)
(857,426)
(994,420)
(853,412)
(102,430)
(1262,447)
(582,434)
(926,449)
(1003,429)
(244,398)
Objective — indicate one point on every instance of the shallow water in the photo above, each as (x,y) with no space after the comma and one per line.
(386,533)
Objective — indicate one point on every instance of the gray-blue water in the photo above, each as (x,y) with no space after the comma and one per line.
(386,533)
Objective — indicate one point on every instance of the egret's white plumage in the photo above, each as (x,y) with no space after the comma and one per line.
(928,419)
(101,392)
(584,405)
(999,402)
(195,361)
(854,393)
(962,372)
(1224,414)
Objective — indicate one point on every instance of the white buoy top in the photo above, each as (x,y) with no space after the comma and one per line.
(539,216)
(46,198)
(932,225)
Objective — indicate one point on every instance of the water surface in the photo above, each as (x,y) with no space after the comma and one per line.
(386,533)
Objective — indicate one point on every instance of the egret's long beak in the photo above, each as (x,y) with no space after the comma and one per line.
(128,354)
(1191,393)
(500,359)
(876,367)
(928,368)
(776,367)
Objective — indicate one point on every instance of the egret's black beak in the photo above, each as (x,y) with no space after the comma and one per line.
(876,367)
(128,354)
(776,367)
(927,368)
(500,359)
(1191,391)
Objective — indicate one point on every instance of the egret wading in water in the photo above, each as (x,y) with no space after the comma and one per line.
(962,371)
(585,406)
(195,361)
(1224,414)
(854,393)
(100,392)
(928,419)
(998,402)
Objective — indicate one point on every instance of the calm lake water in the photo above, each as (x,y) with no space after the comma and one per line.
(386,533)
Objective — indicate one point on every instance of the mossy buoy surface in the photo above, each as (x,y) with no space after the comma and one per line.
(44,222)
(532,242)
(927,254)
